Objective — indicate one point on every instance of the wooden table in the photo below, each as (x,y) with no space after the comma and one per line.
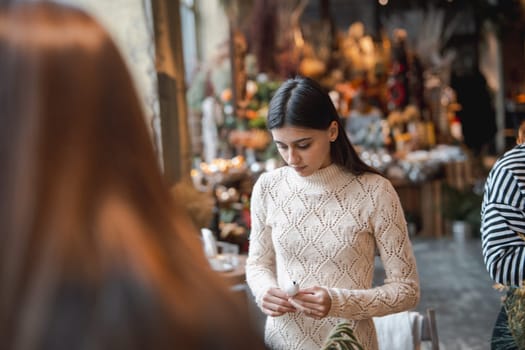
(238,275)
(424,200)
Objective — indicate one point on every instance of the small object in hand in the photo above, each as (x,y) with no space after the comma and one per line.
(292,288)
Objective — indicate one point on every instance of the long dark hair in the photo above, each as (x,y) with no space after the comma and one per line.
(302,102)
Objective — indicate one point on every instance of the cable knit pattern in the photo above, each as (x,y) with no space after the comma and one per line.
(323,230)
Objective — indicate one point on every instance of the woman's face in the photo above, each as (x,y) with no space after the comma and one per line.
(305,150)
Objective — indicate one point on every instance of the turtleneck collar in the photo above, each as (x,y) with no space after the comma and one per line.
(319,178)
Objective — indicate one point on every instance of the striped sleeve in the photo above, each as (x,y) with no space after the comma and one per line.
(503,220)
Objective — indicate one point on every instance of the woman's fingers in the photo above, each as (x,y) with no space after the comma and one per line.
(300,306)
(309,309)
(314,302)
(278,308)
(275,303)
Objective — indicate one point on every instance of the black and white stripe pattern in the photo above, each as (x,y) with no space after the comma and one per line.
(503,219)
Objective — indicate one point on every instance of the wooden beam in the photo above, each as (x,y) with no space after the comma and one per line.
(176,147)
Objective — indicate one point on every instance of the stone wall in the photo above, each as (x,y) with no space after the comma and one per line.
(131,26)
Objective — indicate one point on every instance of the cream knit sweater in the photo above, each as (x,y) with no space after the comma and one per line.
(323,230)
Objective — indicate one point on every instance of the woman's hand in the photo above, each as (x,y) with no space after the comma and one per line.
(275,303)
(314,302)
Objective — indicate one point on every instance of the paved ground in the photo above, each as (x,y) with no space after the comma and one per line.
(455,283)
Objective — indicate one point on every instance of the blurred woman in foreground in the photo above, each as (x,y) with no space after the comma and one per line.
(94,253)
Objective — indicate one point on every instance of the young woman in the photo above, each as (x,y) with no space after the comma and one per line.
(318,222)
(94,253)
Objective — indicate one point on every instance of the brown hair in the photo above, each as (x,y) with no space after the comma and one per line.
(520,137)
(95,254)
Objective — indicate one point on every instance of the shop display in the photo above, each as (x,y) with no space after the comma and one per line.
(391,92)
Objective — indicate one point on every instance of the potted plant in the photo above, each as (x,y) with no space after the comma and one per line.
(462,208)
(342,337)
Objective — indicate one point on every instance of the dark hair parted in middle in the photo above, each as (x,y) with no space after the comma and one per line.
(302,102)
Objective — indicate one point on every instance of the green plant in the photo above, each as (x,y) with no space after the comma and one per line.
(514,303)
(342,338)
(461,205)
(515,306)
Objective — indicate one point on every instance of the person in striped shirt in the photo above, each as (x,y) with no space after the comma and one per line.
(503,228)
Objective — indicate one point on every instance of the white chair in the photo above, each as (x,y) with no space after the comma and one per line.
(429,330)
(407,330)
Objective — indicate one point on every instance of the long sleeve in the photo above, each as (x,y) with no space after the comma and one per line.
(503,220)
(400,290)
(260,265)
(323,230)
